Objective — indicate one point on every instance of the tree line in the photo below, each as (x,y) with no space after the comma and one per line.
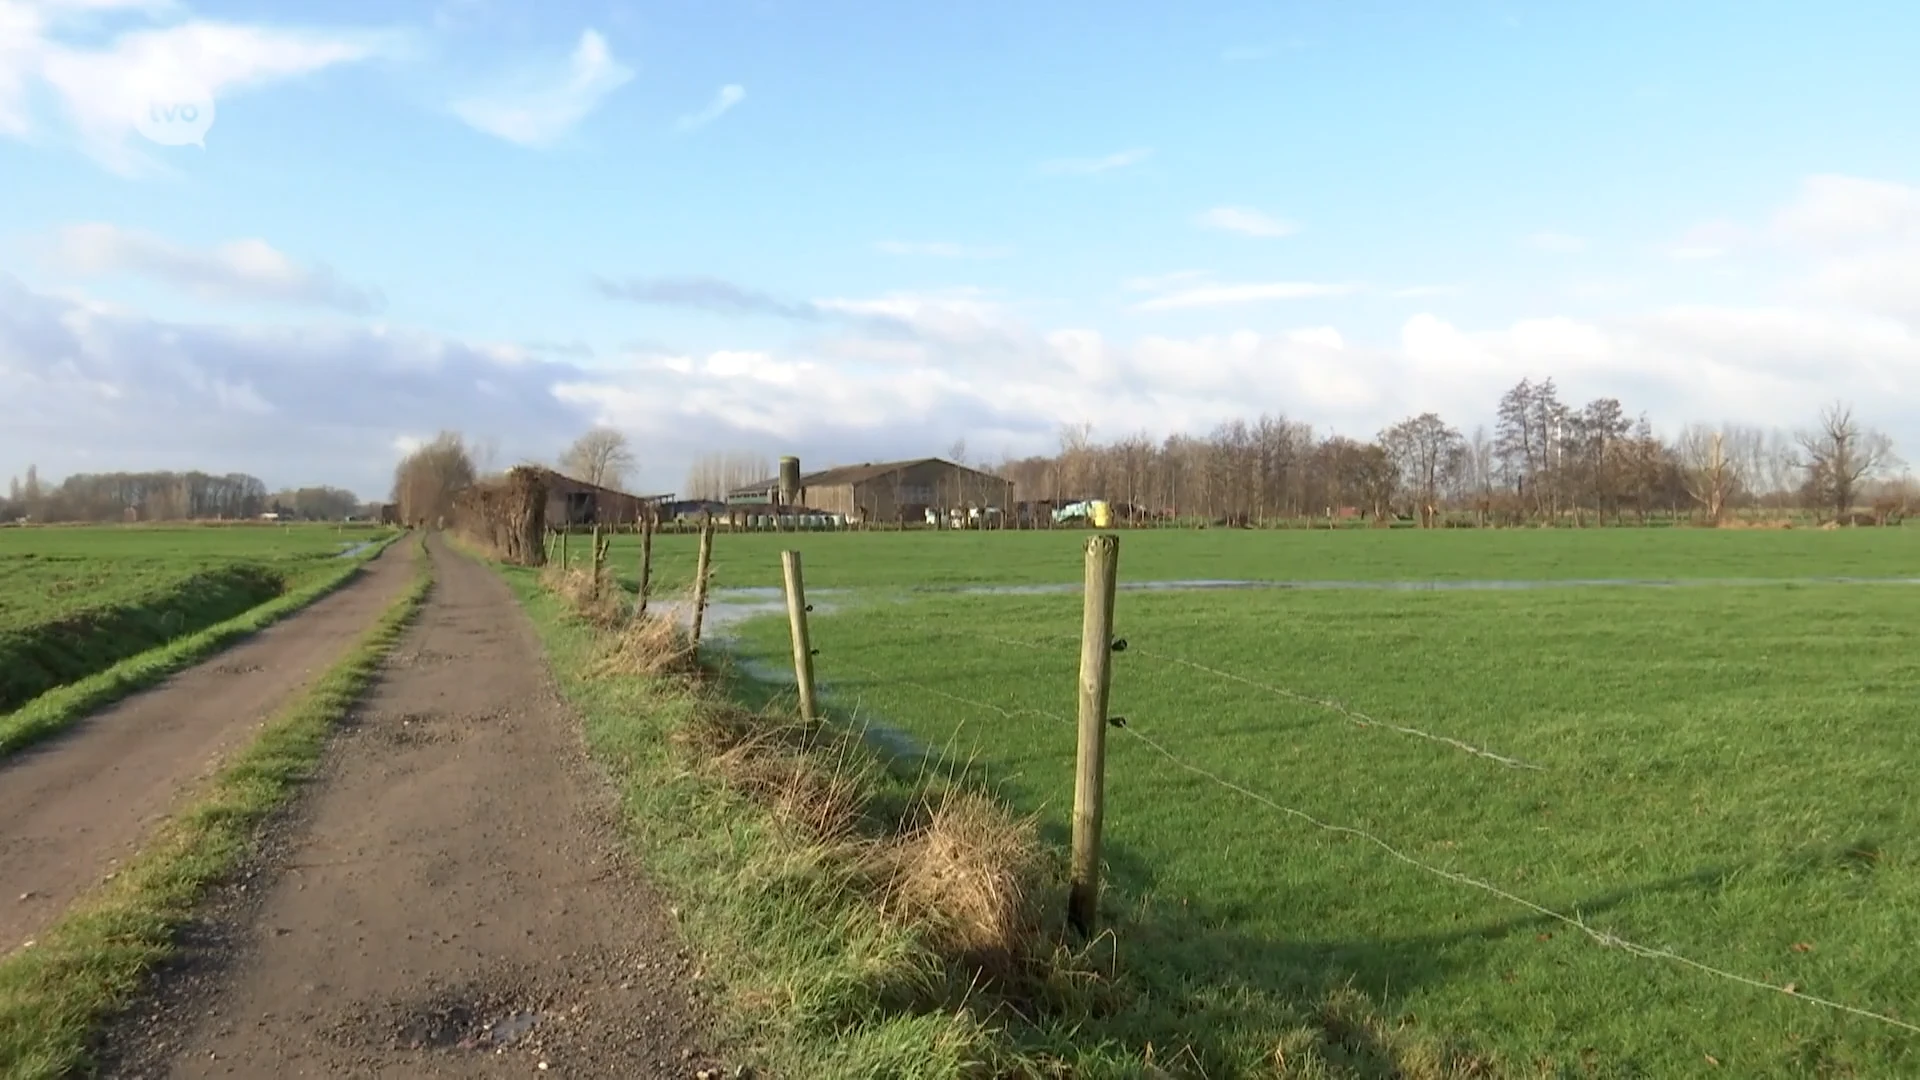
(1540,460)
(167,496)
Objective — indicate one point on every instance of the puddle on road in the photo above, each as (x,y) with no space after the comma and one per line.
(511,1028)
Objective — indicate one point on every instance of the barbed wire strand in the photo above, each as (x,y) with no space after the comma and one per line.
(1602,937)
(1352,715)
(1010,714)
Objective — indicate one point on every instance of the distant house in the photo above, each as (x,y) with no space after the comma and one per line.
(573,502)
(886,491)
(270,515)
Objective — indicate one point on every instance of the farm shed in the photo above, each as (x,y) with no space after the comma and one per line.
(884,491)
(576,502)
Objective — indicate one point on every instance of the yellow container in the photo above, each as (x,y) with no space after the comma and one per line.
(1102,514)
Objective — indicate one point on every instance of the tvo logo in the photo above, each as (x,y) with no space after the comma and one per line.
(180,118)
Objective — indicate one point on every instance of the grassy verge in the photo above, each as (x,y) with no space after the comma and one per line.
(58,709)
(54,994)
(863,924)
(39,656)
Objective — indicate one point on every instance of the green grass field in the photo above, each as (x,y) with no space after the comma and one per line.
(1722,772)
(74,601)
(935,560)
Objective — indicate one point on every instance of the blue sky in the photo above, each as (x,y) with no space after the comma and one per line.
(861,230)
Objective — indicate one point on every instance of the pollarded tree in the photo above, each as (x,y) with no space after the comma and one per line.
(1712,476)
(1838,455)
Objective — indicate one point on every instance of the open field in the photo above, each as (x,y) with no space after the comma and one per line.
(938,560)
(74,601)
(1720,772)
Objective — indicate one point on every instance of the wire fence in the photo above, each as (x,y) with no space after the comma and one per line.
(1133,729)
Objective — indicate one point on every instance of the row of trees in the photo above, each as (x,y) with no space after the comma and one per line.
(168,496)
(1541,460)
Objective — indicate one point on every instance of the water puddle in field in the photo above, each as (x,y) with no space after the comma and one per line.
(1484,585)
(728,608)
(352,548)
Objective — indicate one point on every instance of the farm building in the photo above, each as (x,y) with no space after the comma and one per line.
(576,502)
(886,491)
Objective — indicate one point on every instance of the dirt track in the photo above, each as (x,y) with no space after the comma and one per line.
(72,807)
(448,901)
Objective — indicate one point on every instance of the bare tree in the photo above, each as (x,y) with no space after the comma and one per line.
(712,476)
(1426,453)
(426,480)
(1838,455)
(599,457)
(1712,477)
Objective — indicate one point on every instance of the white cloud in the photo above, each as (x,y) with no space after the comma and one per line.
(1863,239)
(288,404)
(1709,240)
(1563,243)
(868,376)
(1326,337)
(728,96)
(104,82)
(1092,166)
(1205,296)
(1162,282)
(1247,222)
(940,250)
(248,270)
(1415,292)
(537,109)
(1835,211)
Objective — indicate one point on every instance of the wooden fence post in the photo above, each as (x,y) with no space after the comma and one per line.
(701,571)
(1089,787)
(646,565)
(563,551)
(599,554)
(802,642)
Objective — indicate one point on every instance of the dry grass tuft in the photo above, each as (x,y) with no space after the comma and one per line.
(815,783)
(971,879)
(595,599)
(651,645)
(820,797)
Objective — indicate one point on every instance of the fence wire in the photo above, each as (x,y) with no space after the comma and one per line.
(1604,938)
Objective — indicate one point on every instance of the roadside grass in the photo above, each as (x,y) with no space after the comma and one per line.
(1725,773)
(932,560)
(55,993)
(59,708)
(770,842)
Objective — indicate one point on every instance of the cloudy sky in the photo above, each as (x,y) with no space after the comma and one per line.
(856,230)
